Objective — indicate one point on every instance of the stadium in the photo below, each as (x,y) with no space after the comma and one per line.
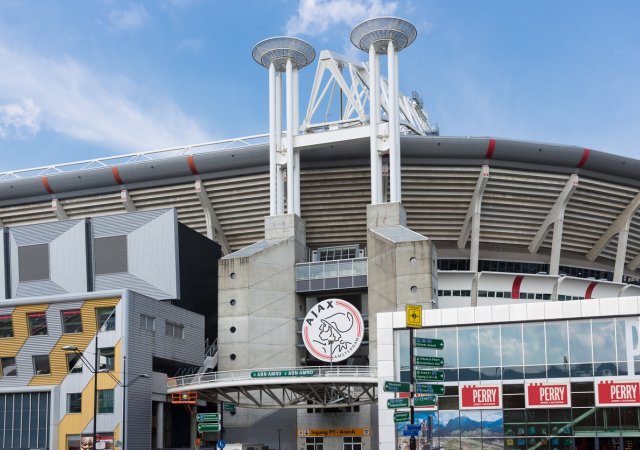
(502,242)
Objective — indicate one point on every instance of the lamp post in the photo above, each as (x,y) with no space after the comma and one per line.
(94,370)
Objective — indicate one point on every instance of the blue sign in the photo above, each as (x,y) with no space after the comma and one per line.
(221,443)
(410,432)
(414,427)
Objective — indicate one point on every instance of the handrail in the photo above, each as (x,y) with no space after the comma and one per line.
(130,158)
(245,374)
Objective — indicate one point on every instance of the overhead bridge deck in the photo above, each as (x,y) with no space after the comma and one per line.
(293,387)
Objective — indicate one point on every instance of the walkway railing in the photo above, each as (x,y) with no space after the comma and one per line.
(120,160)
(302,373)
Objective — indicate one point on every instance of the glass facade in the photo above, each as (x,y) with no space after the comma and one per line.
(25,417)
(579,352)
(328,275)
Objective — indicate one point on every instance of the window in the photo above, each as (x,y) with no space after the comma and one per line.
(313,443)
(106,318)
(8,367)
(6,326)
(74,363)
(147,323)
(37,323)
(106,358)
(174,330)
(73,442)
(352,443)
(41,365)
(74,403)
(105,401)
(71,321)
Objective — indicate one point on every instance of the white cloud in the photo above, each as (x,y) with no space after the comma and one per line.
(19,119)
(316,16)
(191,45)
(74,101)
(133,16)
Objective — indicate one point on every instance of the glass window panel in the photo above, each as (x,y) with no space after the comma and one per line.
(106,318)
(106,358)
(331,270)
(74,363)
(73,442)
(41,365)
(533,342)
(627,331)
(71,321)
(74,403)
(6,326)
(37,323)
(558,370)
(512,373)
(557,348)
(511,345)
(105,401)
(533,372)
(605,369)
(302,272)
(450,350)
(8,367)
(489,340)
(490,373)
(604,339)
(579,341)
(468,346)
(346,269)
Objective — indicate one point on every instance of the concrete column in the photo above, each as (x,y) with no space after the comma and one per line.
(159,425)
(193,430)
(556,246)
(374,108)
(393,123)
(291,202)
(621,253)
(475,240)
(280,184)
(272,140)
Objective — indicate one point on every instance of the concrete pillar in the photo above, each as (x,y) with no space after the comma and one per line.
(159,425)
(556,246)
(193,430)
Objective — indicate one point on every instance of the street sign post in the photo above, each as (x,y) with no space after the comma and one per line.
(208,417)
(437,344)
(396,386)
(398,403)
(429,375)
(437,389)
(401,416)
(414,316)
(428,400)
(231,407)
(429,361)
(208,427)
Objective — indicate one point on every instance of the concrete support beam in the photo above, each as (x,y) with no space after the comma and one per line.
(634,263)
(58,210)
(127,201)
(159,425)
(555,217)
(214,229)
(471,224)
(620,227)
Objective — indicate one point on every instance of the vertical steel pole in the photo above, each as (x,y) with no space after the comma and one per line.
(374,108)
(272,140)
(296,125)
(279,180)
(393,122)
(290,158)
(396,112)
(95,388)
(412,378)
(124,401)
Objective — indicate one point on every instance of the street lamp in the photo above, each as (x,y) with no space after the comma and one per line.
(94,370)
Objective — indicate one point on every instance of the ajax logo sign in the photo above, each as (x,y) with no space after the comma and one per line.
(335,327)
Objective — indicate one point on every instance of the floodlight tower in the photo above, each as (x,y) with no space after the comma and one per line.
(283,54)
(384,35)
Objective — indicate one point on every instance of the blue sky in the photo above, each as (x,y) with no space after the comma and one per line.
(82,79)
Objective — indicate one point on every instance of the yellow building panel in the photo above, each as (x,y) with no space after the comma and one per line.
(58,356)
(11,346)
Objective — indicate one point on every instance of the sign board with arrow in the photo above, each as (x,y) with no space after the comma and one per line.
(414,316)
(396,386)
(398,403)
(429,375)
(429,361)
(437,389)
(437,344)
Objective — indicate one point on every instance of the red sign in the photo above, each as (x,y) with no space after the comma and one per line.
(481,396)
(618,392)
(548,395)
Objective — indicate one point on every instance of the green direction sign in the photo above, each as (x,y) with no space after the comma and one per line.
(437,344)
(429,361)
(398,403)
(396,386)
(428,400)
(437,389)
(283,373)
(429,375)
(208,427)
(208,417)
(401,416)
(229,407)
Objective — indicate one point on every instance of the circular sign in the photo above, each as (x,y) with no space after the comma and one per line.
(332,330)
(221,443)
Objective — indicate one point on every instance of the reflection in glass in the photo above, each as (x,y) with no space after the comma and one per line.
(489,340)
(450,351)
(511,343)
(532,372)
(468,346)
(557,351)
(604,340)
(330,270)
(579,341)
(533,343)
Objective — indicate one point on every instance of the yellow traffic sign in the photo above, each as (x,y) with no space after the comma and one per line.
(414,316)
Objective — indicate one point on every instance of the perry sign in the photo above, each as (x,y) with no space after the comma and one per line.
(333,326)
(617,392)
(481,396)
(547,395)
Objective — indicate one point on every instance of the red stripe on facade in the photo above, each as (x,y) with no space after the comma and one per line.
(515,288)
(192,165)
(490,148)
(47,186)
(116,175)
(589,293)
(583,160)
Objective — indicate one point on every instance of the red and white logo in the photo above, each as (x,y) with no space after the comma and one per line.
(333,330)
(618,392)
(481,396)
(548,395)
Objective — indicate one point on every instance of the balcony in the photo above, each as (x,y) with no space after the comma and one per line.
(331,275)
